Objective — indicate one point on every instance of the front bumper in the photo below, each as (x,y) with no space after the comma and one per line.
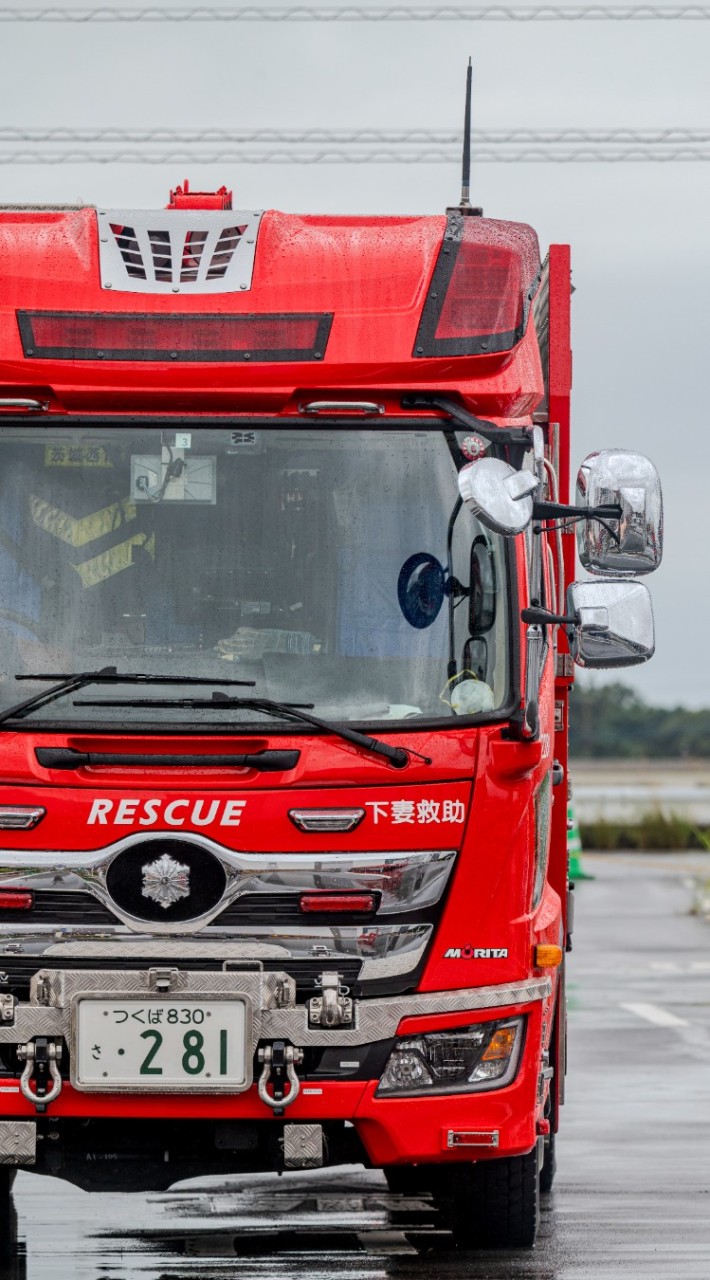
(391,1130)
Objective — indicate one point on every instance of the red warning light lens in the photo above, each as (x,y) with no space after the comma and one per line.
(311,902)
(16,901)
(480,294)
(55,335)
(485,294)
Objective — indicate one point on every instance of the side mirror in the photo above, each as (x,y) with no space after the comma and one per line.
(630,482)
(498,495)
(613,624)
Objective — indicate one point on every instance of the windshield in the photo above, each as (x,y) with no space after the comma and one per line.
(271,556)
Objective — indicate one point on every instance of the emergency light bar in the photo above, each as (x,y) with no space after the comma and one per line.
(74,335)
(484,280)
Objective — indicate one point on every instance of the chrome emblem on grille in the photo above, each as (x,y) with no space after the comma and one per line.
(166,881)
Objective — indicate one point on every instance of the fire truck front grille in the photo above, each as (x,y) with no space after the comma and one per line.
(61,909)
(105,907)
(71,908)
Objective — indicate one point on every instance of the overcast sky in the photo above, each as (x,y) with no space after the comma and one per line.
(639,231)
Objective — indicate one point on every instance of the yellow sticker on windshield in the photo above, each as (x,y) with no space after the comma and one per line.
(76,455)
(104,566)
(78,531)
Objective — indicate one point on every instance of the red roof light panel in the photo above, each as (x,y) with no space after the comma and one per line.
(484,280)
(485,294)
(59,335)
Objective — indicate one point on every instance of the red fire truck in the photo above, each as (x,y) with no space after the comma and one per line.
(287,631)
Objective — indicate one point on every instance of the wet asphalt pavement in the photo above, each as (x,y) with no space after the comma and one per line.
(632,1194)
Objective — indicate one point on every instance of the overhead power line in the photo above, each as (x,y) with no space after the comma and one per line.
(361,13)
(668,136)
(384,155)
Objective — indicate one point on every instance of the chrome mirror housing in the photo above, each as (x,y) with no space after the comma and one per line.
(498,495)
(629,482)
(613,623)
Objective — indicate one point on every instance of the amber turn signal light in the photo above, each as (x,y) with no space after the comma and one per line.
(501,1045)
(547,957)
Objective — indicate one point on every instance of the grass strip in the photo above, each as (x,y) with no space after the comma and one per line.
(651,831)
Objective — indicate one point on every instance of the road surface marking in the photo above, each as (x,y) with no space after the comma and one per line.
(654,1013)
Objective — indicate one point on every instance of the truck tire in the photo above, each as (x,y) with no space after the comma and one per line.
(549,1168)
(409,1179)
(495,1204)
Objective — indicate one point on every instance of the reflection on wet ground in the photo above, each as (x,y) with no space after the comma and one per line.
(303,1226)
(632,1197)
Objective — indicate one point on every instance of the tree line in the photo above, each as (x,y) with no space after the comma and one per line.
(613,721)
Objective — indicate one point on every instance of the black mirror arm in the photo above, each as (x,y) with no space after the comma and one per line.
(561,511)
(452,587)
(558,511)
(452,666)
(536,616)
(519,436)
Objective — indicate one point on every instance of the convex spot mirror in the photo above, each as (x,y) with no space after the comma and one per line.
(498,495)
(613,477)
(614,623)
(421,588)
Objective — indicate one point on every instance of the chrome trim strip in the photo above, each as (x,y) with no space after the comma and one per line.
(373,1019)
(385,950)
(326,820)
(407,881)
(20,817)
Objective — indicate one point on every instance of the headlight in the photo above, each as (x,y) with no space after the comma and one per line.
(464,1060)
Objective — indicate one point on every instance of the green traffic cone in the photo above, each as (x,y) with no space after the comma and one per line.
(574,847)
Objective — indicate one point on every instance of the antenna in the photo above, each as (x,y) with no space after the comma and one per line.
(464,206)
(465,202)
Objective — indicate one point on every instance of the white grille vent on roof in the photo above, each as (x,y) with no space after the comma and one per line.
(177,251)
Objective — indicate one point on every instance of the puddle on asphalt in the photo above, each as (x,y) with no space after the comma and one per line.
(247,1227)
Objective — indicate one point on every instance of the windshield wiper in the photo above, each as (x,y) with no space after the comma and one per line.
(107,675)
(397,756)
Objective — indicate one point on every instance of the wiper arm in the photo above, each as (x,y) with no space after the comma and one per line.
(397,756)
(106,675)
(218,701)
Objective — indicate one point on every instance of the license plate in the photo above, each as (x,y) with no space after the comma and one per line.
(154,1045)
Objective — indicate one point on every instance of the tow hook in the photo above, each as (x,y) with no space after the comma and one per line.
(334,1008)
(40,1057)
(279,1065)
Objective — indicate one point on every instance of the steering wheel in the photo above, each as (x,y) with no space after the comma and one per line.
(11,659)
(21,620)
